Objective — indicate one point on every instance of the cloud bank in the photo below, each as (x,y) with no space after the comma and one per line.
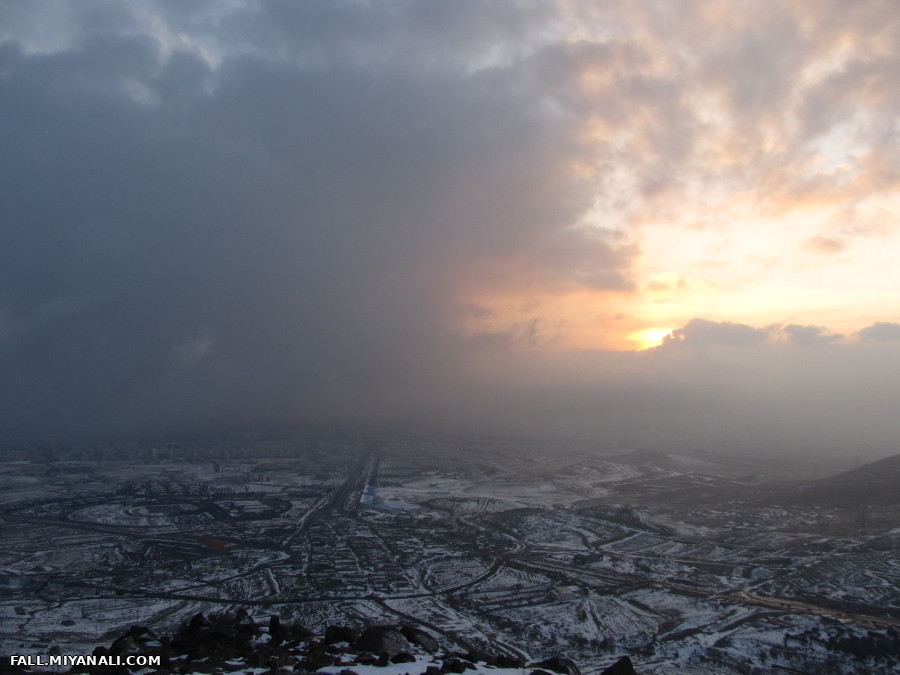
(256,213)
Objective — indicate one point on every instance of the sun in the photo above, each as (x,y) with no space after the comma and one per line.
(649,337)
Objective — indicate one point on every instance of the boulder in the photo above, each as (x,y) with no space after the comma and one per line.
(559,664)
(379,639)
(274,625)
(420,638)
(339,634)
(505,661)
(197,622)
(621,667)
(453,665)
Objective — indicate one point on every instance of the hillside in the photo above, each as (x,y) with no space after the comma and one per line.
(225,643)
(876,483)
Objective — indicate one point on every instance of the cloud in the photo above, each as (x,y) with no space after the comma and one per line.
(315,203)
(250,213)
(702,333)
(809,335)
(882,331)
(822,244)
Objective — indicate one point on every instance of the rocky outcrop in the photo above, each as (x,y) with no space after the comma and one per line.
(558,664)
(224,643)
(621,667)
(383,639)
(420,638)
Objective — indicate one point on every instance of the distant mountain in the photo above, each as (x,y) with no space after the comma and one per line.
(874,483)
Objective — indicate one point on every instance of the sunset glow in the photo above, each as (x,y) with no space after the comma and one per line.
(649,337)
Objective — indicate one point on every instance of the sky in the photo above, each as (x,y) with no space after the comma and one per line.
(664,224)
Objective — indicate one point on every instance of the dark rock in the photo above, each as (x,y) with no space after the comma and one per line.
(316,658)
(378,639)
(339,634)
(504,661)
(383,659)
(403,657)
(7,668)
(218,641)
(260,656)
(476,656)
(559,664)
(274,625)
(198,621)
(123,645)
(296,632)
(347,671)
(621,667)
(141,633)
(433,670)
(453,665)
(278,663)
(242,618)
(315,661)
(337,648)
(419,637)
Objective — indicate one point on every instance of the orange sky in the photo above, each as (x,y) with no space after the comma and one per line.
(747,175)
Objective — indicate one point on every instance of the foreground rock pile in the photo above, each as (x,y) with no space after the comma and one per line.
(236,643)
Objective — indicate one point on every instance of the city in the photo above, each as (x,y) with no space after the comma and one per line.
(533,548)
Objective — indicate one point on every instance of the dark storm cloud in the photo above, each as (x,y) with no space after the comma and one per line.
(266,238)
